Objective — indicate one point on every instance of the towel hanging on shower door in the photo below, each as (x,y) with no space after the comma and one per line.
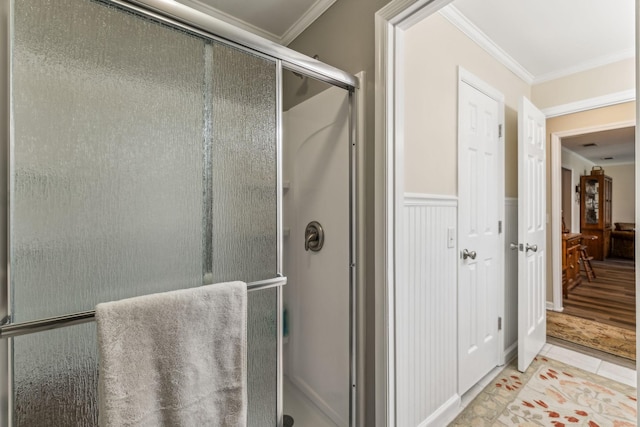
(174,358)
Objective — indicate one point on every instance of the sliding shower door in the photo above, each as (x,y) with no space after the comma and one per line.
(143,158)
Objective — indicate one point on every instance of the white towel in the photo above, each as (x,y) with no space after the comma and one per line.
(174,359)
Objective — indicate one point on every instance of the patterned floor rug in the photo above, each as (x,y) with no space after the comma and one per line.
(607,338)
(552,394)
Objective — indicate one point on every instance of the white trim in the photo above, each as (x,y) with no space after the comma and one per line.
(422,199)
(481,85)
(313,13)
(467,27)
(444,414)
(550,307)
(361,251)
(591,103)
(587,65)
(556,226)
(388,194)
(511,352)
(453,15)
(556,203)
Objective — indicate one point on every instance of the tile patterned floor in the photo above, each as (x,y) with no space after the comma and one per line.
(306,414)
(585,362)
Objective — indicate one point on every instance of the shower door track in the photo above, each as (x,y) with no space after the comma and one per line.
(24,328)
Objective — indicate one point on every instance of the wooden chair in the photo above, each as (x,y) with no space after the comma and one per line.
(585,260)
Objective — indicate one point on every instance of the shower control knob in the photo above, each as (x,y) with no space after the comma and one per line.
(313,237)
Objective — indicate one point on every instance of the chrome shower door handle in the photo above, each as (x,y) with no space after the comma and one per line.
(533,248)
(466,254)
(313,237)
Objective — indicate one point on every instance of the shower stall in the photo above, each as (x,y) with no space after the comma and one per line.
(142,153)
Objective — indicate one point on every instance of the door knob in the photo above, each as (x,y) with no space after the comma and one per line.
(466,254)
(513,246)
(533,248)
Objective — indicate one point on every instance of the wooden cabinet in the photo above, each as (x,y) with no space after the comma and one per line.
(570,262)
(595,214)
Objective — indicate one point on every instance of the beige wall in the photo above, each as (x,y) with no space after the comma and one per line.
(605,80)
(431,105)
(623,208)
(433,51)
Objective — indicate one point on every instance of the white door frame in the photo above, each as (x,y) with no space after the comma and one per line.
(556,199)
(390,22)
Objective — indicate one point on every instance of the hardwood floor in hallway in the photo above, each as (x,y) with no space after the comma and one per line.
(610,298)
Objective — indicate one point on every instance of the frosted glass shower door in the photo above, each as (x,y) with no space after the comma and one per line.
(143,159)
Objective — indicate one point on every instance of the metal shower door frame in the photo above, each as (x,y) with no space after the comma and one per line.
(178,15)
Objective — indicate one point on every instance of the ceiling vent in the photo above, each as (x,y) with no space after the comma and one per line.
(606,158)
(591,144)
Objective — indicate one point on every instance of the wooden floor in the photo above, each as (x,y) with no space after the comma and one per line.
(609,298)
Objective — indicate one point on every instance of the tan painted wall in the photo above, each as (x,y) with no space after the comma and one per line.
(431,105)
(623,208)
(605,80)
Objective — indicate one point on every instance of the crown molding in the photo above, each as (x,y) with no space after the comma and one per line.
(591,103)
(587,65)
(313,13)
(453,15)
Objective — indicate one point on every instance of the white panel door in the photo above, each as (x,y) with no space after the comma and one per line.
(480,194)
(532,328)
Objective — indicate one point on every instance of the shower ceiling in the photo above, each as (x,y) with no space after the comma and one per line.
(280,21)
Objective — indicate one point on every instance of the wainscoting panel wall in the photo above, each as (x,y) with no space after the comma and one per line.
(426,318)
(510,321)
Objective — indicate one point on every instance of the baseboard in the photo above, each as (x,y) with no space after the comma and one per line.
(551,307)
(511,353)
(444,414)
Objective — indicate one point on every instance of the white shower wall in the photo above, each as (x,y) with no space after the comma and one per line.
(316,171)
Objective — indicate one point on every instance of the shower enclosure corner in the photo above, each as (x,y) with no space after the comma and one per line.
(142,154)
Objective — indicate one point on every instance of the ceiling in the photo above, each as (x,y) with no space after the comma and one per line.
(539,40)
(551,38)
(543,40)
(616,143)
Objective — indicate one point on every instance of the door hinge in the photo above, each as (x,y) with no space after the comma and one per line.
(499,323)
(499,131)
(499,227)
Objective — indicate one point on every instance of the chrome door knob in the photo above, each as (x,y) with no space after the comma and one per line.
(513,246)
(466,254)
(532,248)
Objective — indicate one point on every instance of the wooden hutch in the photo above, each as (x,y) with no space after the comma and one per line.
(570,266)
(595,213)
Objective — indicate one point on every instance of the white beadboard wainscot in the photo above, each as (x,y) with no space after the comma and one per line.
(426,318)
